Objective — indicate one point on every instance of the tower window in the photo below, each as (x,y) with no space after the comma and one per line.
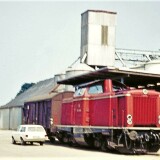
(104,35)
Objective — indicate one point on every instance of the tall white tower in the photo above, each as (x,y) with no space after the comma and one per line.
(98,37)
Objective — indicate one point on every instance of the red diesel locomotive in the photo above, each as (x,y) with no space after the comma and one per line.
(102,112)
(106,114)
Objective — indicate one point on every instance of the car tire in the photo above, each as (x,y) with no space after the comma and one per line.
(13,141)
(22,141)
(41,143)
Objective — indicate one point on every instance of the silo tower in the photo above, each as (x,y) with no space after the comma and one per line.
(98,37)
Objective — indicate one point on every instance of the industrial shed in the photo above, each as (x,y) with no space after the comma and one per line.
(10,117)
(11,114)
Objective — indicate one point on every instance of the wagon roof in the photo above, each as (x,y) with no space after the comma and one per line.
(130,77)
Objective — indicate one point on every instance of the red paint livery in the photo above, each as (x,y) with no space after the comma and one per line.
(130,118)
(119,108)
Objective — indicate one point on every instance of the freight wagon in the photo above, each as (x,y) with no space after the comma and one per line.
(45,112)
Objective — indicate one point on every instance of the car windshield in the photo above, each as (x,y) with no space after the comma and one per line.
(35,129)
(21,129)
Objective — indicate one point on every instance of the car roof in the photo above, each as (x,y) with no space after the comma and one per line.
(30,125)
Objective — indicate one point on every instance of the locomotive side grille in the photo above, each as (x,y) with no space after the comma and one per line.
(144,111)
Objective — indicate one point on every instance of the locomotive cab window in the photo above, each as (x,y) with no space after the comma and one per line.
(79,92)
(118,86)
(96,89)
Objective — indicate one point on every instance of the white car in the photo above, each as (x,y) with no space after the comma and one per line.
(29,133)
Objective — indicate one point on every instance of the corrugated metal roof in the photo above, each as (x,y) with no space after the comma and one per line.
(130,77)
(40,91)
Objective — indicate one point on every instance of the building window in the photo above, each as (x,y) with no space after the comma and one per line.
(104,35)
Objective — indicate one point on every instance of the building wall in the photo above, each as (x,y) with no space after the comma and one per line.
(10,118)
(15,117)
(4,118)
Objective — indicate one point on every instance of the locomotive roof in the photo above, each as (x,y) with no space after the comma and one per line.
(129,77)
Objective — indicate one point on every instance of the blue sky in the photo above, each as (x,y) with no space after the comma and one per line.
(39,39)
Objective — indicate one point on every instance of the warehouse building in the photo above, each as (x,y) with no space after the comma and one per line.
(11,114)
